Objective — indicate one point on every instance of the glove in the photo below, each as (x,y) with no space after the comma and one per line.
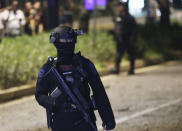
(108,125)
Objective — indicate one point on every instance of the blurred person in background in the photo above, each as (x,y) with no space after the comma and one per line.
(68,11)
(151,10)
(125,34)
(30,18)
(84,20)
(45,15)
(38,17)
(62,19)
(37,5)
(2,22)
(15,20)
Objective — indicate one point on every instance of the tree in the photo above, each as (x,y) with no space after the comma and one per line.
(165,12)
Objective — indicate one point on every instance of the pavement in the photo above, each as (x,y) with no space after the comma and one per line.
(151,100)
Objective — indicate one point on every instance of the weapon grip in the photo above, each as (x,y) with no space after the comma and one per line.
(56,93)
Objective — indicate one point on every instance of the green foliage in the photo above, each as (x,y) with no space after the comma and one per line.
(22,57)
(156,42)
(104,50)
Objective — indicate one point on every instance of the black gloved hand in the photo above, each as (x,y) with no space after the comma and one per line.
(108,125)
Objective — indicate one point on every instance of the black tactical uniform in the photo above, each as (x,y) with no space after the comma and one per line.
(80,73)
(125,34)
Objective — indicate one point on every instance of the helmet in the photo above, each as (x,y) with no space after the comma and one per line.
(65,34)
(64,39)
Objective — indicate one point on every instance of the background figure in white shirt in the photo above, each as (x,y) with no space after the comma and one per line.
(151,11)
(15,20)
(2,22)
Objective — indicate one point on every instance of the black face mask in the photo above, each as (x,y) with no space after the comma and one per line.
(64,39)
(65,52)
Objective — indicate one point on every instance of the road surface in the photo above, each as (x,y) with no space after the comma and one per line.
(151,100)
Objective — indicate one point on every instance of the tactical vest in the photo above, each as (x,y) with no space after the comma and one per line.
(75,76)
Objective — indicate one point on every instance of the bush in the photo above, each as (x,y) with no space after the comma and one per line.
(103,51)
(22,57)
(156,42)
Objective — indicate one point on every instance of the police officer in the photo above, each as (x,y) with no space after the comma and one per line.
(125,35)
(80,73)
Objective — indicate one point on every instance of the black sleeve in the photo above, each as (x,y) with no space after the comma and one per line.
(42,89)
(100,96)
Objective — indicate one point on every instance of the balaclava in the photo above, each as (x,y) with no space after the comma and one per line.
(64,39)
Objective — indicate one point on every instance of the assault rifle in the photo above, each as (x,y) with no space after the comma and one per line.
(76,97)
